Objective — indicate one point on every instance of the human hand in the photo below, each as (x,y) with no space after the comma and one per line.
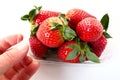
(14,62)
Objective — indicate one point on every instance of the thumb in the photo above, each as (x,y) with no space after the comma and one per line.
(13,56)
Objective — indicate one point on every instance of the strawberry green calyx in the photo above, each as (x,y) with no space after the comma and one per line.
(31,15)
(90,55)
(34,29)
(82,49)
(67,33)
(56,26)
(74,53)
(105,22)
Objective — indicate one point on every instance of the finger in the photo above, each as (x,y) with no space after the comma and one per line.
(27,72)
(25,62)
(13,56)
(17,68)
(9,41)
(2,77)
(10,74)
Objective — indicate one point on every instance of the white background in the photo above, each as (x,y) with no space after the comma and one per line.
(108,69)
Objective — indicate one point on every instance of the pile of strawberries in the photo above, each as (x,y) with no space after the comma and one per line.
(76,36)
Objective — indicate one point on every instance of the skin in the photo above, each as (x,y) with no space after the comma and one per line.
(14,62)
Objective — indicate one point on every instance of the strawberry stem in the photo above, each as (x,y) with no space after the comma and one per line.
(34,29)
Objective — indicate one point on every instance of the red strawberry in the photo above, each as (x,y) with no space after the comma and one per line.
(75,52)
(98,46)
(75,16)
(89,29)
(37,48)
(44,14)
(63,52)
(53,31)
(51,38)
(36,16)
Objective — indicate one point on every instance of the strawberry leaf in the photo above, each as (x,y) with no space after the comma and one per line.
(67,32)
(55,26)
(92,57)
(34,12)
(106,35)
(31,15)
(25,17)
(74,53)
(82,59)
(38,8)
(105,21)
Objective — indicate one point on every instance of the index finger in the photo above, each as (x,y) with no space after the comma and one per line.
(9,41)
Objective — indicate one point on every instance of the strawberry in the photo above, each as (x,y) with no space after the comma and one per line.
(98,46)
(76,15)
(44,14)
(89,29)
(63,52)
(54,31)
(37,48)
(75,52)
(51,30)
(36,16)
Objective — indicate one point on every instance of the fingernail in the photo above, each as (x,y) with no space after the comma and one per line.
(36,62)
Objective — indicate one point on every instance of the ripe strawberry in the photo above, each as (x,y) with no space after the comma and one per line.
(89,29)
(75,52)
(98,46)
(37,48)
(37,16)
(64,51)
(54,31)
(44,14)
(48,30)
(75,16)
